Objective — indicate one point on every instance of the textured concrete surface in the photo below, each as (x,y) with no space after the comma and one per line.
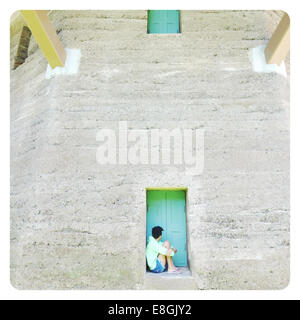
(77,224)
(169,281)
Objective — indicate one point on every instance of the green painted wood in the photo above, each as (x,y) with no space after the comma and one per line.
(156,211)
(163,21)
(167,209)
(176,225)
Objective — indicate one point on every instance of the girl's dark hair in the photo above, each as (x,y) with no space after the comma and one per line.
(156,232)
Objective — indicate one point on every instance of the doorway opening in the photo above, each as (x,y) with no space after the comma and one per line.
(166,207)
(163,21)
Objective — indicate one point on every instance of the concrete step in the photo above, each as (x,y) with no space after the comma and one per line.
(169,281)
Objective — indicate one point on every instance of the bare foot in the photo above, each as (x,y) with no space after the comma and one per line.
(176,270)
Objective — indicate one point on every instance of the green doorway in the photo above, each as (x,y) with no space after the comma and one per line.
(167,208)
(163,21)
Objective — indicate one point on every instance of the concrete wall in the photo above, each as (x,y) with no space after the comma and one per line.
(78,224)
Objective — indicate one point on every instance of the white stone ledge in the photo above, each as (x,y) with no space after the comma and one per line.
(71,65)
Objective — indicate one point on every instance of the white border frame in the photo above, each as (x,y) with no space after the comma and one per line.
(292,291)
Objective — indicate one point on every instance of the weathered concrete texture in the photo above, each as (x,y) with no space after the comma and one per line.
(166,281)
(78,224)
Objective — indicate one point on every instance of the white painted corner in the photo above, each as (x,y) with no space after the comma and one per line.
(71,65)
(259,63)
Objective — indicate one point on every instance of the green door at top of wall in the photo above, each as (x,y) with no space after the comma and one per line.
(163,21)
(167,209)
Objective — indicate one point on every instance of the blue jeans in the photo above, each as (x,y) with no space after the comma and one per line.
(159,267)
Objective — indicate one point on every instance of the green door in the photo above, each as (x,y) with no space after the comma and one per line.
(166,208)
(163,21)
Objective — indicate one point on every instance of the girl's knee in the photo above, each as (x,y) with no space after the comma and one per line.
(167,244)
